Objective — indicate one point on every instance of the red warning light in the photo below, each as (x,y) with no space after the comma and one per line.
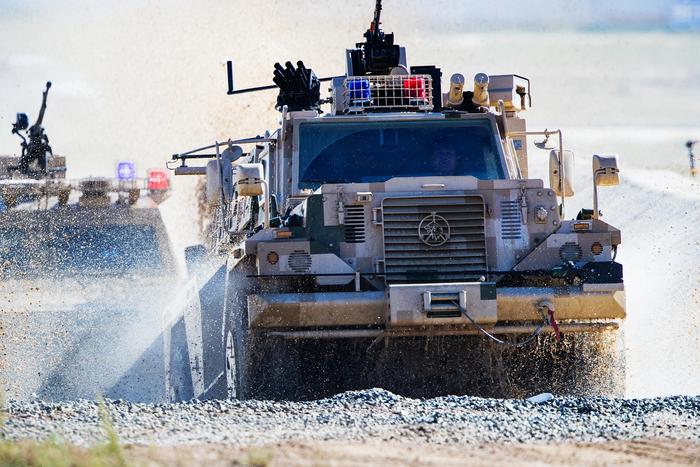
(414,87)
(158,180)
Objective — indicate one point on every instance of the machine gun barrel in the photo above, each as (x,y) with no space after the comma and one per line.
(279,73)
(377,15)
(40,118)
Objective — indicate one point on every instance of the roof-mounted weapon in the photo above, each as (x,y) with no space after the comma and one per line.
(36,149)
(36,128)
(299,88)
(378,54)
(363,87)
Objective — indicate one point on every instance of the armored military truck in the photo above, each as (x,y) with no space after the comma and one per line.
(396,240)
(80,260)
(34,190)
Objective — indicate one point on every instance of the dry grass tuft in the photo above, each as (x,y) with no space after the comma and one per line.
(54,453)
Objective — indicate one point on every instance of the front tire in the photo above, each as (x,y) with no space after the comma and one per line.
(257,365)
(236,335)
(230,366)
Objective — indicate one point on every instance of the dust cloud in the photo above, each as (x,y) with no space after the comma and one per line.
(140,81)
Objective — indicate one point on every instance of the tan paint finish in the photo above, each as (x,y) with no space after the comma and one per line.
(317,309)
(370,309)
(520,304)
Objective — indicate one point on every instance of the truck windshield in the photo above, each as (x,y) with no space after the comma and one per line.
(365,152)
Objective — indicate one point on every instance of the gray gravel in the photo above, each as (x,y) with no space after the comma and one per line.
(363,415)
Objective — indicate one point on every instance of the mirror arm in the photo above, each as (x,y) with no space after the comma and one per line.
(595,196)
(546,133)
(267,204)
(24,140)
(562,185)
(221,178)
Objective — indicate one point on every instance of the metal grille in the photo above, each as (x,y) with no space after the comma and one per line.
(570,251)
(408,253)
(299,261)
(414,92)
(511,220)
(354,224)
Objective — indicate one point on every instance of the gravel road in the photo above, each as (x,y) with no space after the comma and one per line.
(371,415)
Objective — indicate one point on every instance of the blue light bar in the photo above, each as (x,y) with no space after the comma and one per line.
(359,90)
(126,170)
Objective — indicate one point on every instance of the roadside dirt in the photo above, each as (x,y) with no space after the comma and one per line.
(636,453)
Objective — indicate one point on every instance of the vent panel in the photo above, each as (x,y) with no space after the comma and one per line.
(511,220)
(299,261)
(354,224)
(570,251)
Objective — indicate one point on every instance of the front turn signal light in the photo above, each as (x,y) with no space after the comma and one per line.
(582,226)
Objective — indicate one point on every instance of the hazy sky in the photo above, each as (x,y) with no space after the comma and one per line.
(502,14)
(140,80)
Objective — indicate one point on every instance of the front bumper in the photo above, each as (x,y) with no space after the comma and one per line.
(513,306)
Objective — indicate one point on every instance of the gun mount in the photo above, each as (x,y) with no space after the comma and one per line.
(300,89)
(378,55)
(36,152)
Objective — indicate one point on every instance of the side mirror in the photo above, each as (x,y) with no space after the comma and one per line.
(250,179)
(220,179)
(605,171)
(556,179)
(219,183)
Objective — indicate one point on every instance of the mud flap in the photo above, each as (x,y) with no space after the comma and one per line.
(178,378)
(193,338)
(211,298)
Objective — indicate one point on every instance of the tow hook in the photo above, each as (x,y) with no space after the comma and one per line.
(546,306)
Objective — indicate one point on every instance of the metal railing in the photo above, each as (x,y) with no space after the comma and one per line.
(388,92)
